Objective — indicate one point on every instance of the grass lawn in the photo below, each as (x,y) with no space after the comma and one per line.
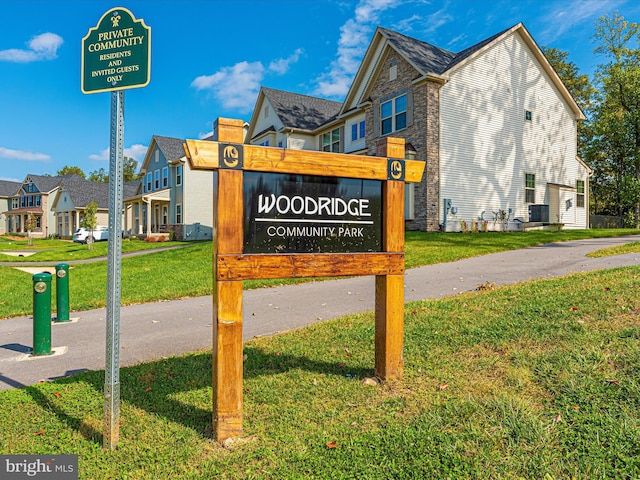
(538,380)
(187,272)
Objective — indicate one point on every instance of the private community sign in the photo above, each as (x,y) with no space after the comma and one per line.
(116,54)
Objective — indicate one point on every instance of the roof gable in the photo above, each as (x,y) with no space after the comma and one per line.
(171,148)
(430,60)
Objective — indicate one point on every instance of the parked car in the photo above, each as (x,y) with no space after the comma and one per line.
(99,233)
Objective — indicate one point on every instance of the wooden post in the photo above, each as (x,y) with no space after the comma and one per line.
(227,295)
(389,303)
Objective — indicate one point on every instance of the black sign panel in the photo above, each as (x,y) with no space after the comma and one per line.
(311,214)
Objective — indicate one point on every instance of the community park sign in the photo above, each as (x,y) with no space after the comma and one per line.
(116,53)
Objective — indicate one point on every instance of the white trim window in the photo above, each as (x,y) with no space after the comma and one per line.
(149,182)
(580,193)
(156,176)
(178,213)
(529,188)
(179,175)
(393,115)
(165,177)
(331,141)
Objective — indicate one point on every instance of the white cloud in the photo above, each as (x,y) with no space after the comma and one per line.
(41,47)
(136,151)
(281,66)
(236,87)
(354,39)
(565,16)
(24,155)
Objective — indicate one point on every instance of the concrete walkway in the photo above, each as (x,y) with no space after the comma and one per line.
(155,330)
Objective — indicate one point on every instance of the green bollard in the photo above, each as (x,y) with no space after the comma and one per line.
(62,292)
(42,314)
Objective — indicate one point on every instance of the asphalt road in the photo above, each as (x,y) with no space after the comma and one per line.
(162,329)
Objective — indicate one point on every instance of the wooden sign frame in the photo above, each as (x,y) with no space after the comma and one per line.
(231,266)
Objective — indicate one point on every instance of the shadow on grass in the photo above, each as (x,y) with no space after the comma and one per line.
(153,386)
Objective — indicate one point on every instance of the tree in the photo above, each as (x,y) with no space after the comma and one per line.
(90,221)
(67,170)
(616,144)
(30,226)
(129,166)
(99,176)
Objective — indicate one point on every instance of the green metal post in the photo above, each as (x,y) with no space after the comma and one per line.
(42,314)
(62,292)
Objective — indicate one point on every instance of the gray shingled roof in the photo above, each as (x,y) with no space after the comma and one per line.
(82,192)
(428,58)
(301,111)
(170,147)
(9,189)
(46,183)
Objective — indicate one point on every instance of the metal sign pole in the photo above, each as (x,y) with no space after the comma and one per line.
(114,261)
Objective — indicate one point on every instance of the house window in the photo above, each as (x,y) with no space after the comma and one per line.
(393,114)
(529,188)
(178,213)
(179,175)
(165,215)
(357,131)
(156,176)
(14,203)
(149,182)
(265,143)
(331,141)
(165,177)
(38,200)
(157,156)
(580,193)
(527,115)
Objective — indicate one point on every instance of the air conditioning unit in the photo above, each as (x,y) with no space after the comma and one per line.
(539,213)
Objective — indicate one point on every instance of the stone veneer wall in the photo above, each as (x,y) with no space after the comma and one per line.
(423,133)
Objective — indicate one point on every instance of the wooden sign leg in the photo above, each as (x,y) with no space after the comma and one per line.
(227,295)
(389,305)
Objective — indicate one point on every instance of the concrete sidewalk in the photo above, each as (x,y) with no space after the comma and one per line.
(162,329)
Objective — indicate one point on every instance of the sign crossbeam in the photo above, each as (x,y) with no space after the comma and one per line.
(205,155)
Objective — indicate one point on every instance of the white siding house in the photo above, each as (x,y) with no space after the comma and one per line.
(494,124)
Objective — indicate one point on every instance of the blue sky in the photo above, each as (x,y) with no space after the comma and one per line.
(209,59)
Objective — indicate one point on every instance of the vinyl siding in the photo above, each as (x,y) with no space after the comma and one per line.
(197,204)
(487,146)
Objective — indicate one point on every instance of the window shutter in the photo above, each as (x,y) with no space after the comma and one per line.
(409,108)
(376,119)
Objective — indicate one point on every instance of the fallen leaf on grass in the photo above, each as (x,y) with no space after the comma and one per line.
(443,386)
(558,418)
(340,365)
(573,309)
(346,350)
(148,389)
(614,382)
(57,394)
(331,445)
(39,432)
(575,407)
